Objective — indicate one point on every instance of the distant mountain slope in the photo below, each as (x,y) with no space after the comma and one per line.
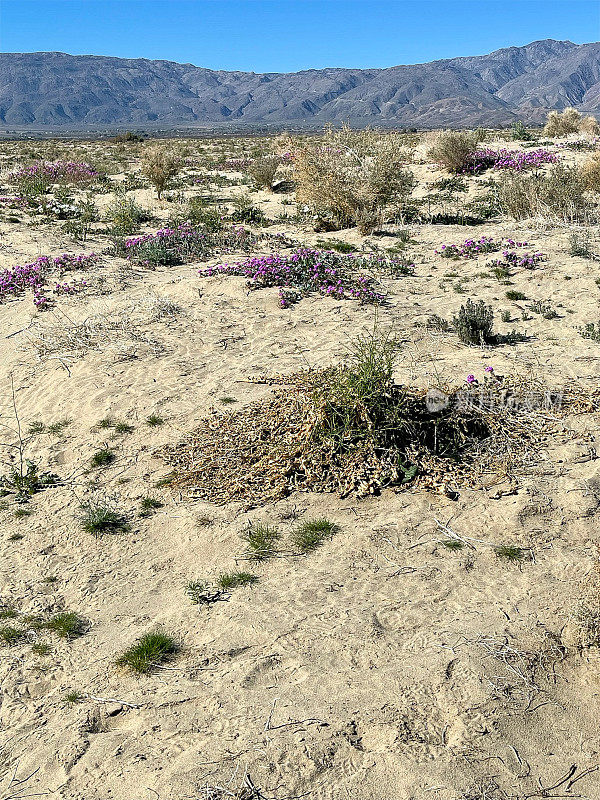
(60,91)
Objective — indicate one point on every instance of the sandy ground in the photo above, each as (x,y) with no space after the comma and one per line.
(380,667)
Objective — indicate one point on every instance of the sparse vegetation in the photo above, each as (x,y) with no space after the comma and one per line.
(148,652)
(98,518)
(312,534)
(261,541)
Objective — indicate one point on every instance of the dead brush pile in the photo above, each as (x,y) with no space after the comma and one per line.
(350,429)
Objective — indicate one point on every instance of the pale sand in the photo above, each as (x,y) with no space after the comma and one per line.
(356,672)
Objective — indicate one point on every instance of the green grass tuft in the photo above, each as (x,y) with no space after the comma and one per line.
(102,458)
(261,540)
(452,544)
(154,420)
(98,518)
(231,580)
(148,651)
(10,635)
(67,625)
(509,552)
(312,533)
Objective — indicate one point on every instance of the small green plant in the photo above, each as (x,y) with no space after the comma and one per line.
(148,652)
(124,215)
(98,518)
(26,481)
(21,513)
(336,244)
(580,245)
(41,649)
(590,331)
(10,636)
(106,422)
(66,625)
(505,316)
(123,427)
(452,544)
(56,428)
(103,457)
(520,132)
(227,401)
(231,580)
(200,592)
(73,697)
(474,323)
(8,612)
(514,294)
(312,533)
(509,552)
(543,308)
(148,505)
(261,541)
(154,420)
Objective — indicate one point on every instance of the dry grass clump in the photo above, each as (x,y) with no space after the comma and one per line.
(263,169)
(590,173)
(452,149)
(563,123)
(558,194)
(160,164)
(353,177)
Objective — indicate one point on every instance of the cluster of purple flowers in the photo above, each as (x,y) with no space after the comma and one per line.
(16,280)
(49,172)
(518,160)
(233,164)
(303,271)
(472,248)
(170,246)
(523,260)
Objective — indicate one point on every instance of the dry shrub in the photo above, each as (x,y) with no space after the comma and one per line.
(159,165)
(590,126)
(353,177)
(558,194)
(570,121)
(452,149)
(590,173)
(262,171)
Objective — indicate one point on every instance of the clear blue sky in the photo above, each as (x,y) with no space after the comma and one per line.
(286,35)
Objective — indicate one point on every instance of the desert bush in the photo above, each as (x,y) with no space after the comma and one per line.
(353,177)
(570,121)
(580,245)
(127,138)
(590,173)
(520,133)
(452,149)
(474,323)
(263,169)
(590,126)
(556,194)
(160,164)
(124,215)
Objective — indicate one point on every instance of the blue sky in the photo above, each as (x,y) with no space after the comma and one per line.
(286,35)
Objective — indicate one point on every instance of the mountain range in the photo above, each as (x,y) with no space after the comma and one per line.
(57,91)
